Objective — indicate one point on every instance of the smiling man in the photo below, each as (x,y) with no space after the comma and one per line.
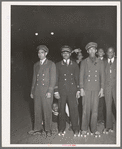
(44,79)
(91,85)
(67,90)
(110,88)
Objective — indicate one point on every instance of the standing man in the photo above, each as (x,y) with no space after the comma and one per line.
(101,106)
(44,79)
(91,85)
(67,90)
(110,87)
(79,61)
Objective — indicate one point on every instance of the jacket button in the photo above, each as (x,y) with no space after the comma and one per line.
(89,70)
(43,74)
(89,75)
(42,84)
(64,74)
(88,80)
(65,79)
(71,74)
(95,70)
(37,74)
(95,80)
(37,84)
(43,79)
(72,83)
(95,75)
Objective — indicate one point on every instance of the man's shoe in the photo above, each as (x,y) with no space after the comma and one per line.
(76,133)
(31,132)
(48,133)
(39,132)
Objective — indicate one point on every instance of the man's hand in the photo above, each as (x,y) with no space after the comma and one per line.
(78,94)
(56,113)
(48,95)
(56,95)
(101,93)
(82,92)
(31,95)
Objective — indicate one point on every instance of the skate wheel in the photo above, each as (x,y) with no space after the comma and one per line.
(84,136)
(81,135)
(87,133)
(111,130)
(99,136)
(91,134)
(95,136)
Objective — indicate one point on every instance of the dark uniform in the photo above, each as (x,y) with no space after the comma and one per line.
(102,106)
(67,85)
(91,80)
(110,91)
(80,105)
(44,79)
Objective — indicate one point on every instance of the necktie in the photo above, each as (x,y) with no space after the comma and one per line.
(41,62)
(67,62)
(110,62)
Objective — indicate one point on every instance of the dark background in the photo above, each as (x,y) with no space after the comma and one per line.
(72,25)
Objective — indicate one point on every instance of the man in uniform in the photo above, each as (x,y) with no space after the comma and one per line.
(101,107)
(110,87)
(44,79)
(91,85)
(67,90)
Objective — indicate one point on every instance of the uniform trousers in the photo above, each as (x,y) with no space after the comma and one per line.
(110,96)
(70,99)
(90,110)
(42,110)
(80,110)
(101,109)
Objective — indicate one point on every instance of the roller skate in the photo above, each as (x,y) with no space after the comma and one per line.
(106,131)
(62,133)
(76,133)
(97,134)
(84,133)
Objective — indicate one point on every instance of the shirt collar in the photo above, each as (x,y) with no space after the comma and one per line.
(63,62)
(101,58)
(66,60)
(42,61)
(112,60)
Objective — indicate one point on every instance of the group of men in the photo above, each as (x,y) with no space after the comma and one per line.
(65,81)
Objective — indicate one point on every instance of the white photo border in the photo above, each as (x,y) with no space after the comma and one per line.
(6,68)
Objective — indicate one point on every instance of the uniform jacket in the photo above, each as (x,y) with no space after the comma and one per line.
(92,74)
(67,79)
(44,76)
(110,73)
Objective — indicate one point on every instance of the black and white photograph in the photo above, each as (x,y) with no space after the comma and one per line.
(61,74)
